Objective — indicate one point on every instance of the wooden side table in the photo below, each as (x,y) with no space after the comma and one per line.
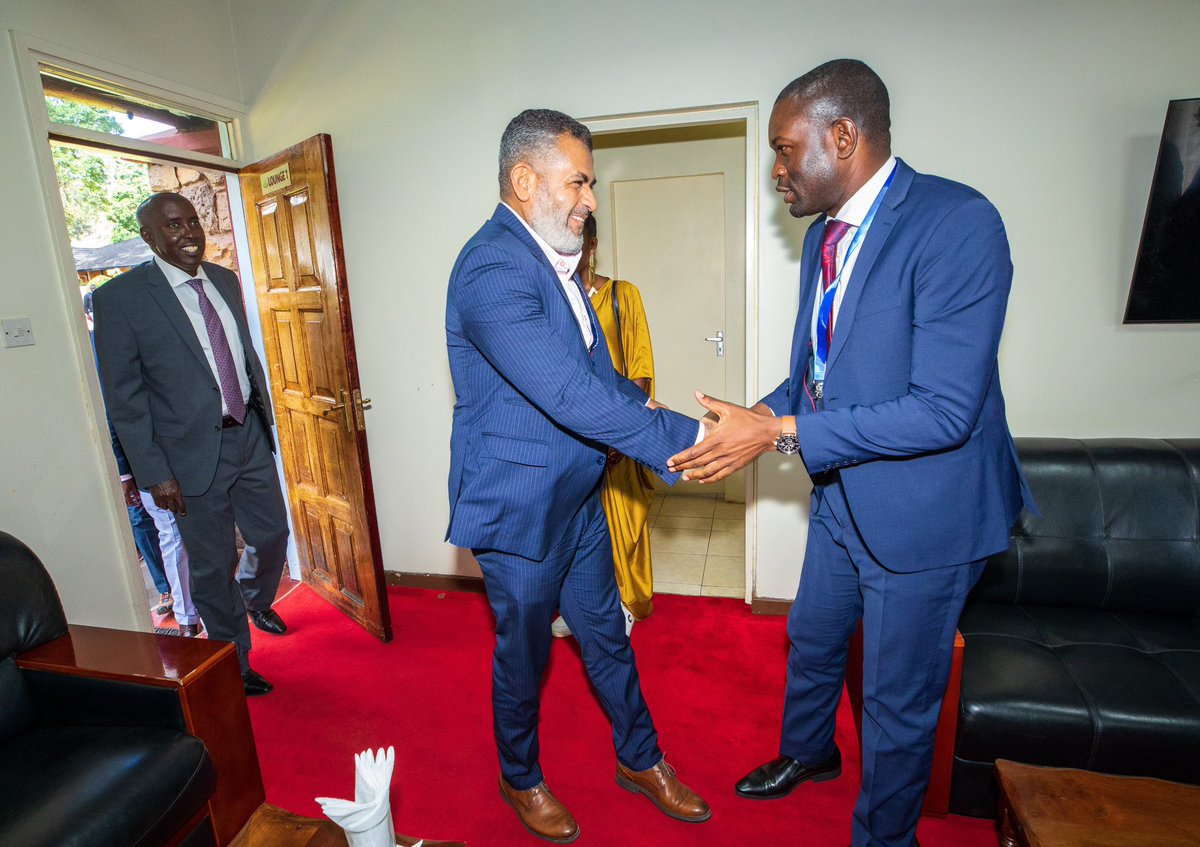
(207,680)
(271,826)
(1061,807)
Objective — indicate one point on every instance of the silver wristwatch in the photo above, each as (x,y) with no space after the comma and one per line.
(787,443)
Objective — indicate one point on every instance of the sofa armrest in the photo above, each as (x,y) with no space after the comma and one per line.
(205,680)
(67,700)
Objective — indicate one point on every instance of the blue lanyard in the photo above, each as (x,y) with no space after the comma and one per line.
(822,337)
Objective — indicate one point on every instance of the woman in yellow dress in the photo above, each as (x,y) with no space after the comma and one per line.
(627,491)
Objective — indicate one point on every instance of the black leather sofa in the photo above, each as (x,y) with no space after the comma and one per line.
(87,762)
(1083,640)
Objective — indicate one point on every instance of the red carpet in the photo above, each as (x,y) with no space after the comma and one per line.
(711,671)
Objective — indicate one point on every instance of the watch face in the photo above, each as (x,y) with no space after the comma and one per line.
(788,444)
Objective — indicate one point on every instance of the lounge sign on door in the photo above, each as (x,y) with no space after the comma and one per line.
(277,179)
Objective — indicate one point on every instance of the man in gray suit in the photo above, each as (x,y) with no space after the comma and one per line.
(187,396)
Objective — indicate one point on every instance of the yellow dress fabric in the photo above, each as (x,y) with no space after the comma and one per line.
(628,491)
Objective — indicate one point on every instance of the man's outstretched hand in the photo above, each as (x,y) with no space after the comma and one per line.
(734,437)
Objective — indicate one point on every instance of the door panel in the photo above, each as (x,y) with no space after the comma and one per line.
(664,252)
(295,245)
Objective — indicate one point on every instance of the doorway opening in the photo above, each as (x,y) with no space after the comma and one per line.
(674,193)
(100,191)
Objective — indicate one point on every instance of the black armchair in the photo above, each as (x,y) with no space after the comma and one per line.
(87,761)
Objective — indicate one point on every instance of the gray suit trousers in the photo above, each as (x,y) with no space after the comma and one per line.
(245,492)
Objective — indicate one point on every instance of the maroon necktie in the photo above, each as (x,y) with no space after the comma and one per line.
(834,231)
(231,390)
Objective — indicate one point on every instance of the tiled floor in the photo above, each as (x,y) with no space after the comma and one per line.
(698,544)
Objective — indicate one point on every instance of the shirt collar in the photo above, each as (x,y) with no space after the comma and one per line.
(178,276)
(564,264)
(859,204)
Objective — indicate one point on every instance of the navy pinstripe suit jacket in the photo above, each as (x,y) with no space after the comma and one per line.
(534,407)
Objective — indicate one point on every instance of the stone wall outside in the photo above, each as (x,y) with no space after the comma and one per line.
(207,192)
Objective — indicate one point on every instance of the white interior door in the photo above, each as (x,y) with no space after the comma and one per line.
(671,220)
(669,239)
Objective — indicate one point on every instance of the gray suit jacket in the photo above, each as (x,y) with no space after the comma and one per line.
(162,397)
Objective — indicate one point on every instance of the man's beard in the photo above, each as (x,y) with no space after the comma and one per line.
(553,225)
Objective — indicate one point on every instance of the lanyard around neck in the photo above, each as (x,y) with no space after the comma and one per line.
(822,320)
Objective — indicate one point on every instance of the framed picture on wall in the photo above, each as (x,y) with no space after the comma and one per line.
(1166,276)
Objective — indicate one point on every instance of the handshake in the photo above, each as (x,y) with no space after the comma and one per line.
(734,436)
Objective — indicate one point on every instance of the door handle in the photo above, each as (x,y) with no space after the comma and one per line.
(346,408)
(719,338)
(360,403)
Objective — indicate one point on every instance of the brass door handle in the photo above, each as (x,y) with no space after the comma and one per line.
(346,407)
(360,403)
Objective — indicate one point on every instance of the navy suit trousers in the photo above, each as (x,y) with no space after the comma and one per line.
(576,578)
(908,638)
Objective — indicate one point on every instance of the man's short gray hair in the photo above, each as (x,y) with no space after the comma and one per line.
(533,135)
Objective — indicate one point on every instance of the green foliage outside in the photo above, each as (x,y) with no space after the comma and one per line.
(96,188)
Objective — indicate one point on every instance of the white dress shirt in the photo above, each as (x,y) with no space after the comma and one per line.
(565,267)
(853,213)
(190,300)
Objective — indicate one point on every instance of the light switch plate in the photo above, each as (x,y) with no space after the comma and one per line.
(18,332)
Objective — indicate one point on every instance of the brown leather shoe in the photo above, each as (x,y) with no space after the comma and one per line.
(668,793)
(541,813)
(189,630)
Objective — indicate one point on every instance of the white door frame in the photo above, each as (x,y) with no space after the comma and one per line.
(747,115)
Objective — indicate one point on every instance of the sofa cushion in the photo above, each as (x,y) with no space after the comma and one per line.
(16,705)
(1117,692)
(1119,528)
(100,786)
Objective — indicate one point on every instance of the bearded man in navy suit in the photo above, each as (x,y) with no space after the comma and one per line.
(538,404)
(893,402)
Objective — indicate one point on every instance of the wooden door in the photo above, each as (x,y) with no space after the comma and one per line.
(303,303)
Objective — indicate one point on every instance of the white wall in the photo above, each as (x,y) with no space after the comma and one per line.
(1053,110)
(58,488)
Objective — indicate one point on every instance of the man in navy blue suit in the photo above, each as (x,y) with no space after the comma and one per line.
(893,403)
(538,403)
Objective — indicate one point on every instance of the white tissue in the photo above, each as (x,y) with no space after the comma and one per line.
(367,819)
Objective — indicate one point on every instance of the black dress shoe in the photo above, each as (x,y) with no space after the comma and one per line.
(268,621)
(779,777)
(254,684)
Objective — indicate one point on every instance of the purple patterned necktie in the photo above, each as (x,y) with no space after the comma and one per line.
(231,390)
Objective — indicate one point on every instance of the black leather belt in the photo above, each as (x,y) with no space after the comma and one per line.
(230,420)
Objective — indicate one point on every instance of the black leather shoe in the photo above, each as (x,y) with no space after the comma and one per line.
(254,684)
(268,621)
(779,777)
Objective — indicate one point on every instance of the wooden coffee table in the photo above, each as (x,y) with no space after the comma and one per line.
(1061,807)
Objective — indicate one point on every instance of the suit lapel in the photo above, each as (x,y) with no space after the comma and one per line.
(506,218)
(233,299)
(801,335)
(872,244)
(164,295)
